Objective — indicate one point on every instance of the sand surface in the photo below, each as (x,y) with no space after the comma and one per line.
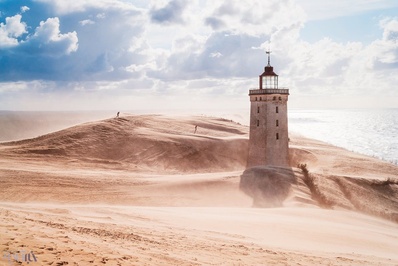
(147,190)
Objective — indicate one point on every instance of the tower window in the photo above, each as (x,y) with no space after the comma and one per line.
(256,98)
(277,135)
(274,98)
(277,123)
(258,109)
(277,109)
(280,98)
(258,122)
(260,99)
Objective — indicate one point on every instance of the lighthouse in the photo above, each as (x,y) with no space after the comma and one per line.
(268,137)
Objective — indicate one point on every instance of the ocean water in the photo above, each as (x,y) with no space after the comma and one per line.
(370,132)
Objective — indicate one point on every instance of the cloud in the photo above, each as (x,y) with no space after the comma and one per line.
(215,23)
(382,54)
(227,47)
(11,31)
(24,9)
(216,55)
(254,17)
(321,10)
(390,29)
(341,70)
(169,14)
(86,22)
(47,39)
(99,52)
(222,54)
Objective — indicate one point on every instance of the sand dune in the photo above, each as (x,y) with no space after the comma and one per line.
(147,190)
(151,142)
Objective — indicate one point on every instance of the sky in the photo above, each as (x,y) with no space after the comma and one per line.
(195,55)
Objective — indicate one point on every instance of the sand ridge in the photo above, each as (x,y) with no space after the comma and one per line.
(152,142)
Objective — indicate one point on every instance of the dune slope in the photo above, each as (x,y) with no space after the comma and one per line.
(150,142)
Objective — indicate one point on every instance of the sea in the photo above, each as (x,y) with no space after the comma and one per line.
(372,132)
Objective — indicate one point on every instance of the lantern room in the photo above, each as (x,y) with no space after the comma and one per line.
(269,79)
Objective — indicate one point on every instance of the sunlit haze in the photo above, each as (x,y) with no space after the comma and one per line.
(195,55)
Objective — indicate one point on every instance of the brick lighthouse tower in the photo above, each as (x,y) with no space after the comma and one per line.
(268,139)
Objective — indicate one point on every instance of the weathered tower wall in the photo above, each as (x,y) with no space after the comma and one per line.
(269,140)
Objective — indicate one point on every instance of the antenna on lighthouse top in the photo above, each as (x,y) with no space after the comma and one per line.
(269,57)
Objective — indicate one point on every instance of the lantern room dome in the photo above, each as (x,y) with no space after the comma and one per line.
(269,71)
(269,79)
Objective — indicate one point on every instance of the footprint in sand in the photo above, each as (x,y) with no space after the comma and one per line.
(62,263)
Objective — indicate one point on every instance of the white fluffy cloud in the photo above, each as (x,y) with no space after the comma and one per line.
(46,37)
(24,9)
(86,22)
(11,31)
(388,45)
(48,34)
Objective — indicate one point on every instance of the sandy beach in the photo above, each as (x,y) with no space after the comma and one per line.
(147,190)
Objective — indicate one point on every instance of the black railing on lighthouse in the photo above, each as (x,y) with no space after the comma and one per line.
(269,91)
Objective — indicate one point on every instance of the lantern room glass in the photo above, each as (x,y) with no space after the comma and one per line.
(270,82)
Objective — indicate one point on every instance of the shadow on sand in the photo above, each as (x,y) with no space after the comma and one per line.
(269,186)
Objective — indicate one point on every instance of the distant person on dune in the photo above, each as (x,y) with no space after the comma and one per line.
(196,127)
(117,115)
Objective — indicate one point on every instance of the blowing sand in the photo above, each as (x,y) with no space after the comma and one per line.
(147,190)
